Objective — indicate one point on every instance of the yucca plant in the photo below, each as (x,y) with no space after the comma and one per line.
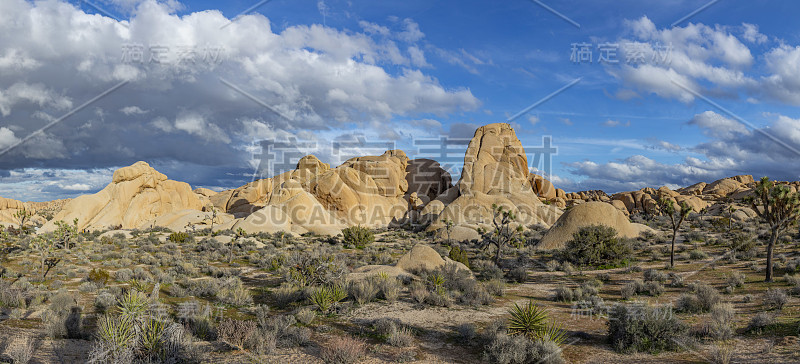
(117,332)
(151,340)
(531,321)
(133,304)
(322,297)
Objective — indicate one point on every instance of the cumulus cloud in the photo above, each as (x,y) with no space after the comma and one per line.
(317,78)
(705,59)
(717,126)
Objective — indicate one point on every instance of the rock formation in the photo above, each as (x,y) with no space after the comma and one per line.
(8,208)
(135,196)
(495,172)
(586,214)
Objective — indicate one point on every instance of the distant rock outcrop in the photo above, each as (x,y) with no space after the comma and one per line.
(135,196)
(8,208)
(587,214)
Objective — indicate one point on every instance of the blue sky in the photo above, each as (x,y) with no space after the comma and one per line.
(395,72)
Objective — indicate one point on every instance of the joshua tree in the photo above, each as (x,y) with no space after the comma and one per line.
(213,217)
(667,206)
(503,233)
(779,207)
(46,247)
(66,233)
(448,228)
(240,233)
(22,216)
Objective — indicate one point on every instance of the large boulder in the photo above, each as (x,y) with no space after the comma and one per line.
(723,187)
(136,195)
(420,257)
(304,210)
(186,220)
(587,214)
(366,191)
(269,219)
(427,178)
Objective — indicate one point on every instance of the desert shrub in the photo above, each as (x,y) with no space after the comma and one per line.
(675,280)
(720,321)
(518,274)
(400,336)
(21,350)
(389,288)
(63,318)
(313,269)
(104,301)
(487,270)
(504,349)
(597,246)
(123,275)
(496,287)
(233,292)
(736,279)
(357,236)
(305,316)
(775,299)
(654,275)
(418,292)
(99,276)
(285,295)
(363,291)
(760,321)
(639,287)
(262,341)
(466,333)
(343,350)
(702,298)
(235,332)
(475,294)
(552,265)
(180,238)
(644,328)
(124,339)
(721,353)
(698,254)
(459,255)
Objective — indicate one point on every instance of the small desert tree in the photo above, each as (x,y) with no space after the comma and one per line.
(504,233)
(213,217)
(45,247)
(448,228)
(667,207)
(779,207)
(22,216)
(66,234)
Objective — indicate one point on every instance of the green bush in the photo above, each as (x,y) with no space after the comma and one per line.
(597,246)
(459,255)
(357,236)
(98,276)
(644,328)
(179,238)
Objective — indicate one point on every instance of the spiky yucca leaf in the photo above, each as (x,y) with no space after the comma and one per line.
(119,332)
(151,341)
(134,304)
(554,332)
(529,320)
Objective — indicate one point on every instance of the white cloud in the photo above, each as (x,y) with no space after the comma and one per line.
(318,77)
(717,126)
(7,138)
(615,123)
(752,35)
(533,119)
(77,187)
(132,110)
